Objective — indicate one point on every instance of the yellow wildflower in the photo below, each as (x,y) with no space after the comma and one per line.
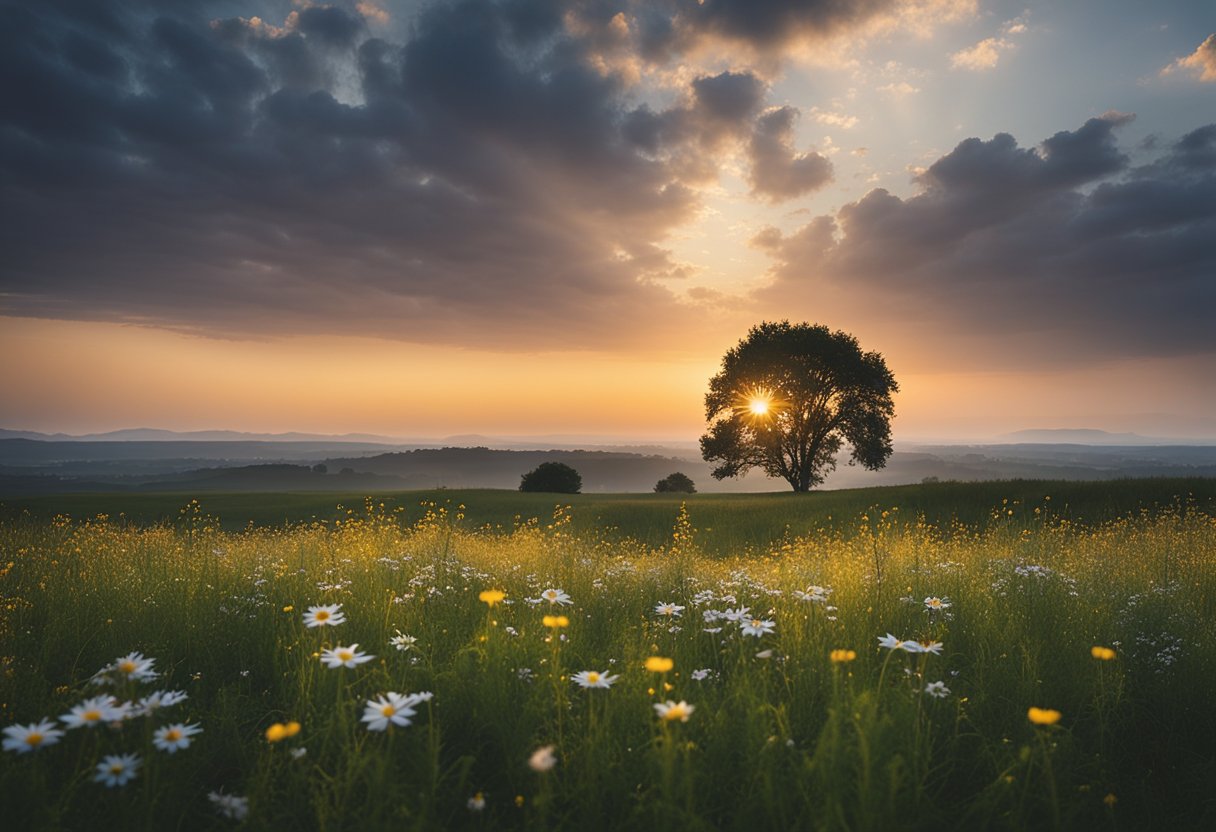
(491,596)
(1043,716)
(841,656)
(658,664)
(1103,654)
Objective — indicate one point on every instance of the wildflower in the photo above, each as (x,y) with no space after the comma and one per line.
(403,642)
(327,615)
(934,647)
(23,738)
(92,712)
(555,621)
(757,627)
(172,737)
(1103,654)
(1043,716)
(158,699)
(344,657)
(490,597)
(813,594)
(935,604)
(135,666)
(703,673)
(230,805)
(1110,800)
(841,656)
(542,759)
(735,615)
(658,664)
(669,710)
(477,802)
(593,679)
(556,596)
(892,643)
(392,708)
(668,609)
(938,690)
(281,731)
(764,654)
(117,769)
(297,753)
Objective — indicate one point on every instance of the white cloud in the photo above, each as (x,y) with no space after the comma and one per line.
(984,55)
(1201,62)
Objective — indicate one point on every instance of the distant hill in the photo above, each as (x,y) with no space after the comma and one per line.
(1084,436)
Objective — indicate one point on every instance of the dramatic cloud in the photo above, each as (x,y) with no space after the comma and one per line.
(778,171)
(494,178)
(1201,62)
(987,53)
(476,184)
(1057,253)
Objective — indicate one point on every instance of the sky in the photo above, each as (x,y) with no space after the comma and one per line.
(535,217)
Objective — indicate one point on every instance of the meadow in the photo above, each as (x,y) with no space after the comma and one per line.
(997,656)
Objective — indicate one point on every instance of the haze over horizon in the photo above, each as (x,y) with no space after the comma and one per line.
(552,217)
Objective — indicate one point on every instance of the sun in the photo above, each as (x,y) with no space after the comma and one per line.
(759,403)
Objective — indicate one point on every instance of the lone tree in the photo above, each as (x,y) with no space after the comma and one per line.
(552,476)
(677,482)
(789,396)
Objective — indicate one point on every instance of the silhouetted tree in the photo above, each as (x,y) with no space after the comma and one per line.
(676,482)
(552,476)
(320,468)
(789,396)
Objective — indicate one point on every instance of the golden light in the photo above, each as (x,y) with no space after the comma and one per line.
(756,402)
(758,407)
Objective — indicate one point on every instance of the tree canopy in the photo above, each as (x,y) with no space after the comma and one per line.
(678,482)
(557,477)
(790,396)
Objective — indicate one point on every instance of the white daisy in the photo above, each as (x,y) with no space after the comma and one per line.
(542,759)
(736,615)
(593,679)
(344,657)
(892,643)
(668,609)
(392,708)
(134,666)
(158,699)
(556,596)
(92,712)
(117,769)
(172,737)
(477,802)
(326,615)
(230,805)
(23,738)
(756,626)
(670,710)
(935,604)
(937,689)
(403,642)
(703,673)
(934,647)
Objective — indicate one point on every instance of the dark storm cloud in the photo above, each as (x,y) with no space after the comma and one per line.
(479,183)
(760,26)
(1062,250)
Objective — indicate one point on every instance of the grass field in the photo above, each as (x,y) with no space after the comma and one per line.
(882,677)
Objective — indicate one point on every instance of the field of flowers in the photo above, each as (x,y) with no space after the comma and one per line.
(381,673)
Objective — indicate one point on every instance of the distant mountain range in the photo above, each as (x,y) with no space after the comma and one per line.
(31,466)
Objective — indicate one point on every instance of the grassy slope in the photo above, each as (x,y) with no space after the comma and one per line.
(725,523)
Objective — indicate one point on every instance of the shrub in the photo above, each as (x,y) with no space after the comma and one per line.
(677,482)
(552,476)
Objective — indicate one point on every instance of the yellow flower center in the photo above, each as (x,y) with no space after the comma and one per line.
(322,615)
(173,735)
(756,622)
(388,710)
(116,768)
(91,716)
(676,712)
(345,655)
(933,602)
(127,667)
(34,739)
(593,677)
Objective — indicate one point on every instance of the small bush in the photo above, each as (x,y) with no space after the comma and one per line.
(552,476)
(677,482)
